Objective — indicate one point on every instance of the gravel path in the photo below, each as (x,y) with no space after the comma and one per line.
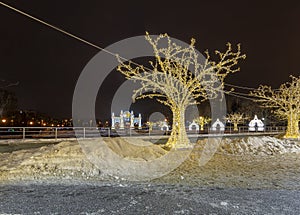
(143,199)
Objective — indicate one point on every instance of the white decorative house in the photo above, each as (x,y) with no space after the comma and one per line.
(193,125)
(126,119)
(256,124)
(218,125)
(164,126)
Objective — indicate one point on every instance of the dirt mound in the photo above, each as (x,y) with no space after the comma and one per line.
(136,158)
(258,146)
(66,160)
(132,158)
(63,160)
(136,149)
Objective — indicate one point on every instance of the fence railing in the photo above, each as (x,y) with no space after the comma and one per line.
(92,132)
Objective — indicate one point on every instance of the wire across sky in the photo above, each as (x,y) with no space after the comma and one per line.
(231,93)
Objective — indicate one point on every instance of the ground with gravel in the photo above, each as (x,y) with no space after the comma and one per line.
(143,199)
(253,175)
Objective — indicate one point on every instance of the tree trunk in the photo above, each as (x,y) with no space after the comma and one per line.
(235,127)
(202,127)
(292,130)
(179,138)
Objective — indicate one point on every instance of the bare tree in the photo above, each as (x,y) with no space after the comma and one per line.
(150,125)
(285,103)
(5,97)
(202,120)
(236,118)
(3,103)
(178,79)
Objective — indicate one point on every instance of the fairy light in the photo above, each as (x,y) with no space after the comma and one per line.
(285,101)
(202,120)
(236,118)
(172,83)
(226,60)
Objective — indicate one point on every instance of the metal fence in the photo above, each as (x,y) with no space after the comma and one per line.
(92,132)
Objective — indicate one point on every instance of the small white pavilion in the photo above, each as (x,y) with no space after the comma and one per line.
(256,124)
(218,125)
(193,125)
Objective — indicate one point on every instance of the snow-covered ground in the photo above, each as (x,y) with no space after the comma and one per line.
(249,162)
(259,146)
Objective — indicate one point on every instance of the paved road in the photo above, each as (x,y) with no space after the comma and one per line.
(143,199)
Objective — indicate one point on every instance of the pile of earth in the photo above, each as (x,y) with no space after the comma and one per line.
(235,162)
(66,160)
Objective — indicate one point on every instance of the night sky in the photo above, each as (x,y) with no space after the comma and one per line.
(47,63)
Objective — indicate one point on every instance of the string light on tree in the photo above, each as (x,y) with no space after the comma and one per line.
(285,103)
(236,118)
(172,82)
(202,120)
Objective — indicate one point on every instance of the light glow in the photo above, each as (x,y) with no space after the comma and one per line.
(177,79)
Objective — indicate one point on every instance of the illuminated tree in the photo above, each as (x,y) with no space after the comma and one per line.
(178,78)
(202,120)
(236,118)
(150,125)
(285,103)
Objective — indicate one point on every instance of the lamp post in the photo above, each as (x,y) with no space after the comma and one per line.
(229,126)
(265,124)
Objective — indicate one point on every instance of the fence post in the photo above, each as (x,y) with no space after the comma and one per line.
(55,133)
(108,132)
(84,133)
(24,134)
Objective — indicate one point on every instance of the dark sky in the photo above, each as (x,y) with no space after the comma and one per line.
(47,63)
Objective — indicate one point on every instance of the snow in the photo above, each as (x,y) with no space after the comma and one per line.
(259,146)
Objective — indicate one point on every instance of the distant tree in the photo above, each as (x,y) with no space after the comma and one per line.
(177,79)
(150,125)
(202,120)
(3,102)
(8,101)
(233,104)
(236,118)
(245,106)
(285,103)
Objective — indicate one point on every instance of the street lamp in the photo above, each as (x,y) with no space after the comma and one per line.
(265,124)
(229,126)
